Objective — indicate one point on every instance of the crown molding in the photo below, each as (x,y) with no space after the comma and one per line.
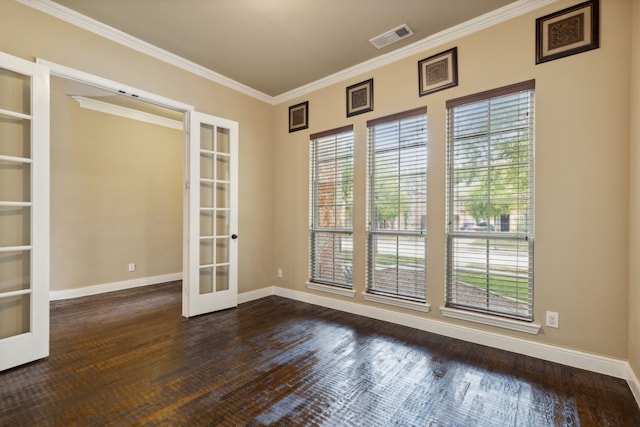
(79,20)
(487,20)
(482,22)
(129,113)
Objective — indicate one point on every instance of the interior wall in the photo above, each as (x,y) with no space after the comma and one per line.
(116,196)
(634,195)
(581,184)
(30,34)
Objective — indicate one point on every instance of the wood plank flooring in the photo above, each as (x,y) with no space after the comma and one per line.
(129,358)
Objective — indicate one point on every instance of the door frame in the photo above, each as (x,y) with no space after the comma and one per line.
(58,70)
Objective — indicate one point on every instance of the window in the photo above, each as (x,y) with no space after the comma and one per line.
(490,202)
(397,205)
(331,210)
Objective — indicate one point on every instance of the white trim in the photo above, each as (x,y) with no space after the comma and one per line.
(487,20)
(129,113)
(255,295)
(398,302)
(146,281)
(12,294)
(603,365)
(79,20)
(336,290)
(115,286)
(14,159)
(16,204)
(634,384)
(15,114)
(500,322)
(69,73)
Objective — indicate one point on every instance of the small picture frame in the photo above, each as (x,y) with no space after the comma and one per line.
(567,32)
(299,116)
(360,98)
(438,72)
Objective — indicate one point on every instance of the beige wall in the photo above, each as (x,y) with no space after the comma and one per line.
(634,224)
(28,34)
(116,188)
(582,173)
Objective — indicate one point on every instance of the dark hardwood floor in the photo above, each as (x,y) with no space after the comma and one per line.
(129,358)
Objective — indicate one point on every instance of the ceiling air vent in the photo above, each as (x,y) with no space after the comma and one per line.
(391,36)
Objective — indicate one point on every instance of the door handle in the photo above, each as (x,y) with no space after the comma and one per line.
(234,236)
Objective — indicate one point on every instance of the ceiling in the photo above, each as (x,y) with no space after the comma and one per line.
(276,46)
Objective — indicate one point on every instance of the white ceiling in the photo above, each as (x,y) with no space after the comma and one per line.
(276,46)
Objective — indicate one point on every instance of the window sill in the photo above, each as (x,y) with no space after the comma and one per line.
(336,290)
(485,319)
(397,302)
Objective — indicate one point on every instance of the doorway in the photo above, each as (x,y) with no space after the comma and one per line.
(209,201)
(209,188)
(116,191)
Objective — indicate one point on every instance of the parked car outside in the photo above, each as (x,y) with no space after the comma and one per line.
(482,226)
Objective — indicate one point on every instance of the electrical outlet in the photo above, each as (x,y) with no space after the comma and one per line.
(279,273)
(553,319)
(132,267)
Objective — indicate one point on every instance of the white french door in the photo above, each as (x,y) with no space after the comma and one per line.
(211,257)
(24,211)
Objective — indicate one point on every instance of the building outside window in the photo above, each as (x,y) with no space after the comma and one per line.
(331,210)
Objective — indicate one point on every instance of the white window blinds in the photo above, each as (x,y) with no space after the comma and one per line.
(331,210)
(490,202)
(397,205)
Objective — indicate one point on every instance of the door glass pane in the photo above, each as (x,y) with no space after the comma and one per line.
(14,315)
(206,137)
(222,195)
(15,226)
(223,140)
(15,92)
(206,166)
(222,278)
(206,252)
(15,182)
(206,194)
(206,280)
(222,251)
(15,271)
(15,137)
(222,223)
(222,168)
(206,223)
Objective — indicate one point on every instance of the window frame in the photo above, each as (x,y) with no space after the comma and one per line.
(316,280)
(469,311)
(378,295)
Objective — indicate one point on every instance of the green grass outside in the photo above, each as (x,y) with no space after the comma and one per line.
(502,285)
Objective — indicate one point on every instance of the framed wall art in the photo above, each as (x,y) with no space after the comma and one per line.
(299,116)
(567,32)
(438,72)
(360,98)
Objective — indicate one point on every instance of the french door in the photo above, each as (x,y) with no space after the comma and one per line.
(211,257)
(24,211)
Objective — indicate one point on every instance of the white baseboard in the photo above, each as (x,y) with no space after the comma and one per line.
(634,384)
(115,286)
(254,295)
(603,365)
